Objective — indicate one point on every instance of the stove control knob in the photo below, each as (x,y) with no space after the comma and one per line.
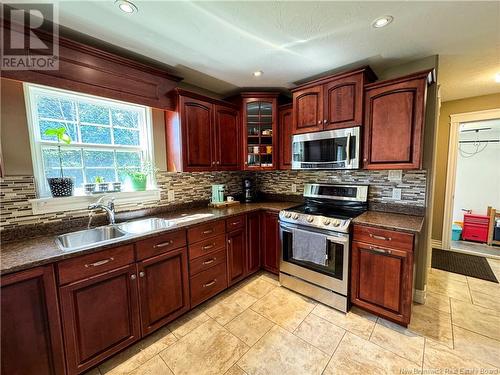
(336,222)
(310,219)
(288,215)
(295,216)
(326,221)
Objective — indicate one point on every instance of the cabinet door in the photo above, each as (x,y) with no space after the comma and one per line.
(253,242)
(31,331)
(394,123)
(228,136)
(308,110)
(381,280)
(285,137)
(163,288)
(343,105)
(100,317)
(236,255)
(197,135)
(270,242)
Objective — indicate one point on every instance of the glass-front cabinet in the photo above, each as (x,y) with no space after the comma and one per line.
(260,131)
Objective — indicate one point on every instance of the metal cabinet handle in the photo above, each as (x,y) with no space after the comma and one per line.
(163,244)
(324,121)
(99,262)
(380,237)
(208,231)
(319,122)
(210,283)
(235,222)
(213,163)
(206,247)
(218,163)
(380,251)
(142,274)
(229,242)
(133,277)
(210,261)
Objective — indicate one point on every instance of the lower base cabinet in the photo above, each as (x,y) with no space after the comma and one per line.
(31,339)
(270,242)
(236,256)
(253,242)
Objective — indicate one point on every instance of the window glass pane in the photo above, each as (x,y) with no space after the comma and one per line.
(123,174)
(56,108)
(128,119)
(95,134)
(74,173)
(70,130)
(98,158)
(128,159)
(107,173)
(94,114)
(69,158)
(126,137)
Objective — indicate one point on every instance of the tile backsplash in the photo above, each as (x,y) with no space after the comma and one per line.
(15,191)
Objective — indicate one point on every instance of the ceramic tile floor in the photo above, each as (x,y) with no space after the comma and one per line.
(258,327)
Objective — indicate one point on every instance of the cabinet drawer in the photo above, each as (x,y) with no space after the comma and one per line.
(208,246)
(160,244)
(201,232)
(383,237)
(235,222)
(207,261)
(208,283)
(95,263)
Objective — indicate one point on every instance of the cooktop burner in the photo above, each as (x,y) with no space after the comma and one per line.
(327,210)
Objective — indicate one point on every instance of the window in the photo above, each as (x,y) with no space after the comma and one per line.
(108,138)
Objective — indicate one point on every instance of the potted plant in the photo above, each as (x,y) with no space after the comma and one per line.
(102,186)
(139,179)
(60,186)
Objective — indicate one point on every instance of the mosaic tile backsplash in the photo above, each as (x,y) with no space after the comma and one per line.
(15,191)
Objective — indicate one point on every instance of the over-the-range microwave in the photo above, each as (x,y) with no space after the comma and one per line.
(331,149)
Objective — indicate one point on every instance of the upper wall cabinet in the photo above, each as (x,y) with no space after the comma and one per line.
(285,136)
(331,102)
(202,135)
(394,122)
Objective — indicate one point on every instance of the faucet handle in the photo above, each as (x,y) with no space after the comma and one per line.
(111,202)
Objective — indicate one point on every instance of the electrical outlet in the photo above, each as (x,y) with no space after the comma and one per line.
(395,175)
(396,194)
(294,188)
(171,196)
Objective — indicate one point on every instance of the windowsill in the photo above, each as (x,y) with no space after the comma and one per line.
(76,203)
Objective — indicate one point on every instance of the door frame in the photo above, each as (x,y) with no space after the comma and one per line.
(449,198)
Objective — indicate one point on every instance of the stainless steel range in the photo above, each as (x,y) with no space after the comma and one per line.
(315,242)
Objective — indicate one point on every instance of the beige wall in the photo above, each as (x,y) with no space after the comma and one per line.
(478,103)
(15,143)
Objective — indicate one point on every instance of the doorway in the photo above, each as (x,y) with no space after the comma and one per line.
(472,200)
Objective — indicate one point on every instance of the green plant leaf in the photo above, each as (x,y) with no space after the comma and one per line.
(66,138)
(59,133)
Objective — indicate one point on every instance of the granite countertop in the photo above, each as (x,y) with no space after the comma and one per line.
(399,222)
(23,254)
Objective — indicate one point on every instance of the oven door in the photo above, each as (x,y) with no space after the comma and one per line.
(332,149)
(333,275)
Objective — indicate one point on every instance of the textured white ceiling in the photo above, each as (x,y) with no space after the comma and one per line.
(218,45)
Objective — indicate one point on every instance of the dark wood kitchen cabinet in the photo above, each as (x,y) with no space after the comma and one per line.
(163,288)
(253,242)
(382,272)
(270,238)
(100,316)
(203,134)
(394,122)
(31,332)
(331,102)
(236,255)
(285,136)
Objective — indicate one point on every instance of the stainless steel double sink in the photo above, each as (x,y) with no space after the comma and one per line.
(113,233)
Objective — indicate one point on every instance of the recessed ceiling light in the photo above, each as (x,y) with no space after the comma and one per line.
(258,73)
(126,6)
(382,21)
(497,78)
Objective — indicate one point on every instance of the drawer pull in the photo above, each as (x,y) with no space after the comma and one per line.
(163,244)
(208,231)
(99,263)
(380,237)
(142,274)
(207,247)
(380,251)
(210,261)
(210,283)
(235,222)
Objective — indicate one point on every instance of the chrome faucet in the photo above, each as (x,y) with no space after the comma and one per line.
(109,208)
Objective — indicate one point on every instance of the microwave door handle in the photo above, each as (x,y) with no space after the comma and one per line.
(348,149)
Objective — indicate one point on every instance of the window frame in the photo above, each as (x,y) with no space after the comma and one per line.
(37,143)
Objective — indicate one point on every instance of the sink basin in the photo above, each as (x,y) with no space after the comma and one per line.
(145,225)
(89,237)
(185,218)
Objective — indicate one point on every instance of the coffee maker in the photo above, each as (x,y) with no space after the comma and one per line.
(248,190)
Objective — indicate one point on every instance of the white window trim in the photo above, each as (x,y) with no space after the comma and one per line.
(47,204)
